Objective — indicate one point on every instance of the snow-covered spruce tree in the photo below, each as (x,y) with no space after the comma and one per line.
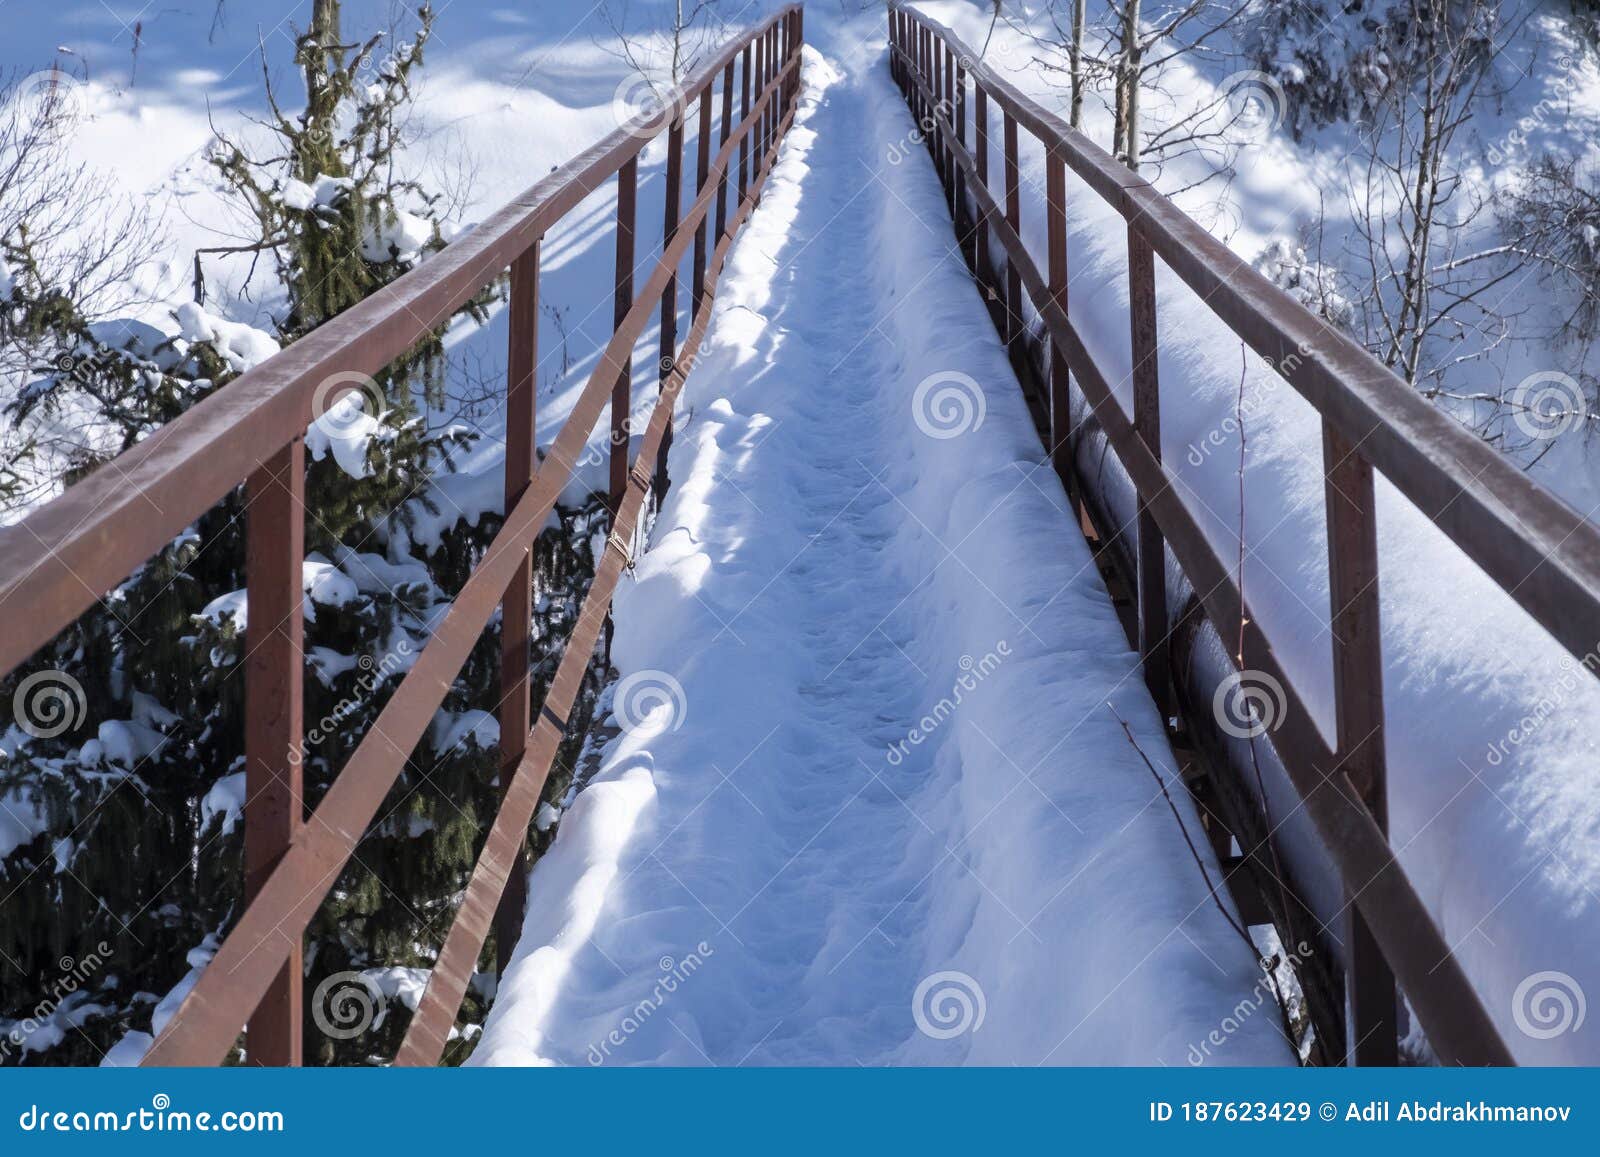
(136,841)
(1379,44)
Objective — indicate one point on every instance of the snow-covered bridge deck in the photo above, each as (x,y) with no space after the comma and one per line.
(871,800)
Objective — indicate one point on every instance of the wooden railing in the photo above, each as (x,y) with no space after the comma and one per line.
(58,561)
(1542,554)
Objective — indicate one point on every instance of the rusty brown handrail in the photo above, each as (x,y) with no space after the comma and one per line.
(1543,554)
(58,561)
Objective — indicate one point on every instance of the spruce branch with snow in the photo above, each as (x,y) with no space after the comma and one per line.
(125,828)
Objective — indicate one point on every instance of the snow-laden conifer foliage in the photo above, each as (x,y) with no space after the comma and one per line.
(140,796)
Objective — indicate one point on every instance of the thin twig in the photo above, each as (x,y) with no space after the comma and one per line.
(1182,827)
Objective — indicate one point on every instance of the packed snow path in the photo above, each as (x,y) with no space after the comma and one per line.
(870,801)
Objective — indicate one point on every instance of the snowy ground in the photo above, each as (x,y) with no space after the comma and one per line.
(794,853)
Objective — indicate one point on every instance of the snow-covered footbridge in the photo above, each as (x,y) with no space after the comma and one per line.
(947,726)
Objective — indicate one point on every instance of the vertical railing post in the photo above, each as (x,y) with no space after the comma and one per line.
(1060,398)
(780,55)
(909,35)
(1014,219)
(727,127)
(702,170)
(915,45)
(744,113)
(274,730)
(669,295)
(1372,1022)
(627,196)
(763,64)
(905,48)
(960,113)
(949,111)
(893,28)
(775,106)
(921,56)
(516,607)
(980,147)
(980,152)
(759,129)
(797,54)
(1147,423)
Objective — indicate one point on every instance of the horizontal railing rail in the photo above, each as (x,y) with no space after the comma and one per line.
(1544,555)
(58,561)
